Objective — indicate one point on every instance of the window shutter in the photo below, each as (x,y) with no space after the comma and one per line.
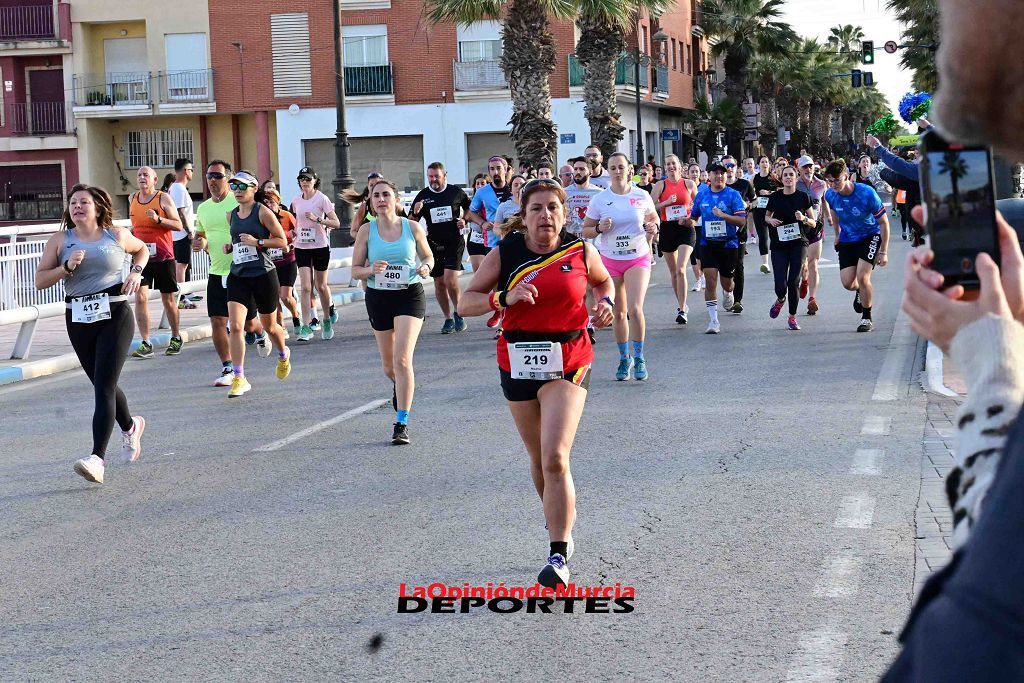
(289,35)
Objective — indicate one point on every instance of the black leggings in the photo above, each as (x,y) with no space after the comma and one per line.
(102,348)
(787,263)
(761,225)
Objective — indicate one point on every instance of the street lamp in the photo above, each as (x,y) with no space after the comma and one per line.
(342,175)
(639,59)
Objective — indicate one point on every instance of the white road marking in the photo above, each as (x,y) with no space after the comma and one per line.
(876,425)
(33,383)
(319,426)
(856,512)
(866,461)
(819,656)
(840,578)
(891,373)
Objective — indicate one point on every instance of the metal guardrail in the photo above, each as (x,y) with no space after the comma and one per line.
(479,75)
(369,80)
(41,119)
(661,80)
(178,87)
(624,73)
(113,89)
(27,22)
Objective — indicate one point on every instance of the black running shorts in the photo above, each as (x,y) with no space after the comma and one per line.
(183,251)
(287,273)
(720,258)
(526,389)
(260,291)
(383,306)
(671,236)
(864,250)
(447,255)
(318,259)
(160,275)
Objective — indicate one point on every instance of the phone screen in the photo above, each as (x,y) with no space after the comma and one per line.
(961,211)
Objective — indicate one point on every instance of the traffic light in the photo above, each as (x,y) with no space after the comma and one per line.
(868,51)
(869,79)
(855,78)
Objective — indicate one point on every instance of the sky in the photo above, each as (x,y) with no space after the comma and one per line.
(814,18)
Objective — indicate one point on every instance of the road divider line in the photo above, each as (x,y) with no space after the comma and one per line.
(320,426)
(819,656)
(866,461)
(840,578)
(856,512)
(887,386)
(876,425)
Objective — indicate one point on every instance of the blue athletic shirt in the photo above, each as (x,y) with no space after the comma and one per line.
(728,200)
(858,213)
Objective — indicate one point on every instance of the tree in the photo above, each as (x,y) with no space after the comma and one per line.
(527,60)
(709,120)
(921,19)
(847,41)
(742,29)
(954,165)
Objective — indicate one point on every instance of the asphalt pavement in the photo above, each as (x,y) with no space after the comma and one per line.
(745,491)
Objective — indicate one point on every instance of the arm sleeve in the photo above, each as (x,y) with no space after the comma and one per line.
(900,166)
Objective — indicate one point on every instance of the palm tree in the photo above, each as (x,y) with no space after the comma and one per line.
(709,120)
(921,21)
(846,40)
(953,164)
(603,25)
(744,28)
(527,59)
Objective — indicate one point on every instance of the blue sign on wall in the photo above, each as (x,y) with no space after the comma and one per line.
(567,139)
(671,135)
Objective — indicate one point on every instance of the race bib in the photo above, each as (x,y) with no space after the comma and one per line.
(476,237)
(275,254)
(625,246)
(674,213)
(789,232)
(244,253)
(716,230)
(440,214)
(535,360)
(307,235)
(152,248)
(761,203)
(90,309)
(395,277)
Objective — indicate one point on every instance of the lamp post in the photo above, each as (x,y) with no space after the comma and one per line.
(640,59)
(342,175)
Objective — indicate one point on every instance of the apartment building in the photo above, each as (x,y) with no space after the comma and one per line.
(418,92)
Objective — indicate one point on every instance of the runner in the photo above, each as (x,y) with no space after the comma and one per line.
(253,279)
(722,213)
(733,301)
(314,216)
(284,260)
(578,195)
(620,218)
(511,206)
(645,183)
(565,174)
(815,189)
(544,358)
(644,174)
(862,236)
(154,219)
(545,171)
(386,254)
(750,169)
(598,173)
(766,182)
(364,208)
(675,196)
(186,214)
(444,207)
(699,177)
(89,255)
(789,218)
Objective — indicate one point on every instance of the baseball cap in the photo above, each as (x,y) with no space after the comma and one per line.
(245,177)
(716,166)
(309,172)
(805,160)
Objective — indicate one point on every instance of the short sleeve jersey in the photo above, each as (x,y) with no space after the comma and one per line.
(577,201)
(183,201)
(715,230)
(212,221)
(441,211)
(858,212)
(506,210)
(488,199)
(602,181)
(627,239)
(309,233)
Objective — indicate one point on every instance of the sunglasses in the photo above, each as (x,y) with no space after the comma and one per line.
(834,181)
(236,185)
(730,165)
(305,177)
(540,181)
(374,175)
(215,176)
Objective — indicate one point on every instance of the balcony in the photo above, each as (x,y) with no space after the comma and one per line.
(186,92)
(113,94)
(35,29)
(481,79)
(41,119)
(369,82)
(661,83)
(625,74)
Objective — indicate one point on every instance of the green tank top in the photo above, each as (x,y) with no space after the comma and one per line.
(400,255)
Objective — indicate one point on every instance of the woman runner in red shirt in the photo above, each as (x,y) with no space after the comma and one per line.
(540,277)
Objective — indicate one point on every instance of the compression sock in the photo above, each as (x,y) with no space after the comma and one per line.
(403,417)
(638,348)
(623,350)
(226,365)
(559,548)
(237,370)
(867,313)
(712,309)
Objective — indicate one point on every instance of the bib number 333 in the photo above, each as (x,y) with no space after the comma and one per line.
(535,360)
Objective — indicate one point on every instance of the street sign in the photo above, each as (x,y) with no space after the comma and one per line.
(671,135)
(567,139)
(751,108)
(750,135)
(751,121)
(789,135)
(891,47)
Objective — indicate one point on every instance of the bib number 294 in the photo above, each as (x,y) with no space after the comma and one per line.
(535,360)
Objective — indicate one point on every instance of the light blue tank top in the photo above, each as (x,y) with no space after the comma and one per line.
(400,252)
(102,268)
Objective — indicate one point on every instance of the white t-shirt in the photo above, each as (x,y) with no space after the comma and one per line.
(578,201)
(603,181)
(627,239)
(182,200)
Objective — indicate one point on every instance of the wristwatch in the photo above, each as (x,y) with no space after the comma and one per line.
(69,271)
(608,300)
(259,243)
(137,269)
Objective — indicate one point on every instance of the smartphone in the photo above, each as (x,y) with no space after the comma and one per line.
(958,189)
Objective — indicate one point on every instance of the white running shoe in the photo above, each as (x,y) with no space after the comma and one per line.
(90,469)
(225,378)
(728,300)
(696,286)
(263,345)
(555,573)
(714,327)
(131,447)
(703,283)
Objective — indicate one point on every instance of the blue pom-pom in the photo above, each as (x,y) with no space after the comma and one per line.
(912,101)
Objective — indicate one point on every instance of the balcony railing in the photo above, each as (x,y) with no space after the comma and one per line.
(624,73)
(182,87)
(41,119)
(30,22)
(479,75)
(368,80)
(661,80)
(113,89)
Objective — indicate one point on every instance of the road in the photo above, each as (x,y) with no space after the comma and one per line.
(758,492)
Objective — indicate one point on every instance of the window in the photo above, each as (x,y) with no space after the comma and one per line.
(187,78)
(674,54)
(398,157)
(31,192)
(480,41)
(365,45)
(289,39)
(689,59)
(157,147)
(643,42)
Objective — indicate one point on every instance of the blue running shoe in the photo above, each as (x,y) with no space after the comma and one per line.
(250,338)
(622,374)
(460,324)
(640,369)
(448,327)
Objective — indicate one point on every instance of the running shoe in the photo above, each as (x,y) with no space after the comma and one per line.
(284,365)
(640,369)
(90,469)
(173,347)
(250,338)
(793,324)
(145,350)
(494,319)
(856,303)
(225,378)
(263,346)
(776,309)
(305,334)
(555,573)
(296,324)
(131,445)
(805,286)
(812,306)
(239,385)
(460,323)
(865,326)
(681,317)
(186,305)
(765,269)
(703,283)
(736,308)
(696,286)
(622,374)
(314,325)
(714,327)
(328,330)
(400,437)
(448,327)
(334,315)
(728,300)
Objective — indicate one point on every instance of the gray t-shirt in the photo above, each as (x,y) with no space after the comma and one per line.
(506,210)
